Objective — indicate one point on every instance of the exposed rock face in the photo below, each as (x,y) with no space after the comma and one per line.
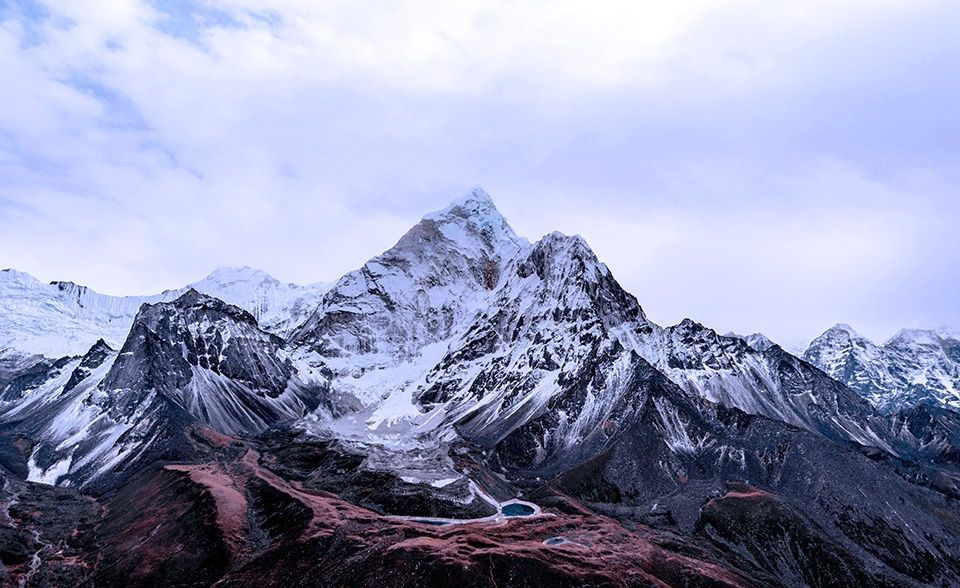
(94,358)
(47,534)
(236,523)
(772,383)
(915,367)
(13,363)
(33,377)
(545,350)
(211,358)
(771,536)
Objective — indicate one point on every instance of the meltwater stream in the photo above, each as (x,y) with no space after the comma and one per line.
(505,510)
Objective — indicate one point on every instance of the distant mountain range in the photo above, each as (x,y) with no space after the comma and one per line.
(467,367)
(914,367)
(62,318)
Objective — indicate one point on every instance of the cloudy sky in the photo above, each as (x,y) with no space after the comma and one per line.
(754,165)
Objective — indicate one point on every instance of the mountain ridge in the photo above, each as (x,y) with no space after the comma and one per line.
(62,318)
(464,369)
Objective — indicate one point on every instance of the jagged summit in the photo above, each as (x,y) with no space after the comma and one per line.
(417,292)
(688,323)
(101,345)
(842,328)
(840,332)
(197,304)
(460,368)
(476,202)
(471,216)
(190,297)
(564,256)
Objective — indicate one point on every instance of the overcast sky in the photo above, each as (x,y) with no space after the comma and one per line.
(754,165)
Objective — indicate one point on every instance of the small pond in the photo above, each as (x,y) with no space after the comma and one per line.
(555,541)
(517,509)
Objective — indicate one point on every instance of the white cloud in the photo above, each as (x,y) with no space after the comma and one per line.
(753,165)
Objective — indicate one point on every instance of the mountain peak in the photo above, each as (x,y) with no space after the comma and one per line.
(756,341)
(759,341)
(190,297)
(557,239)
(101,344)
(843,327)
(237,273)
(476,198)
(476,213)
(193,299)
(915,336)
(842,331)
(558,257)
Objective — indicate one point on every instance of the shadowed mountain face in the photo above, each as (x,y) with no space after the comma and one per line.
(459,372)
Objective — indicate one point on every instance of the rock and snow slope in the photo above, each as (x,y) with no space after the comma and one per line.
(914,367)
(62,318)
(192,362)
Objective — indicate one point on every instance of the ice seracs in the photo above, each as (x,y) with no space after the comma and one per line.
(62,318)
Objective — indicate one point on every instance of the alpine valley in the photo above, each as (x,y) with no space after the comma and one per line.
(467,409)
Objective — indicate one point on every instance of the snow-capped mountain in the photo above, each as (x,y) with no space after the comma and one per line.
(914,367)
(419,291)
(278,307)
(462,329)
(464,362)
(194,361)
(772,383)
(463,326)
(545,351)
(62,318)
(386,324)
